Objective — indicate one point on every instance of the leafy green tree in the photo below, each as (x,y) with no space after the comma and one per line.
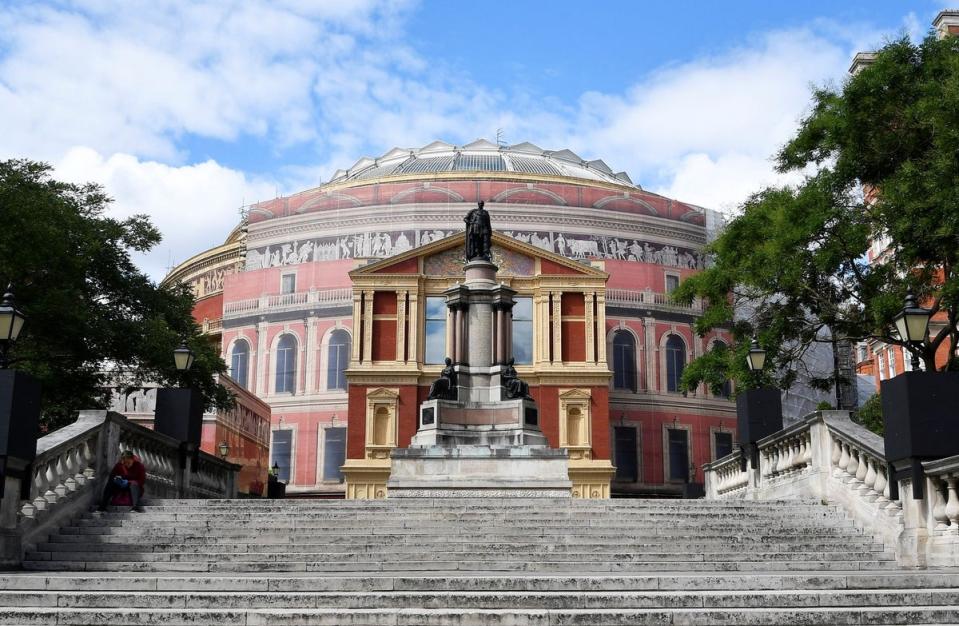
(870,414)
(89,308)
(879,161)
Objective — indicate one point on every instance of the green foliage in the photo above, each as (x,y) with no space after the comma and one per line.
(824,406)
(870,414)
(87,305)
(794,258)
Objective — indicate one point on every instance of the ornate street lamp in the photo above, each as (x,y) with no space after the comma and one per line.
(913,324)
(183,358)
(919,411)
(276,469)
(756,357)
(179,412)
(11,323)
(224,449)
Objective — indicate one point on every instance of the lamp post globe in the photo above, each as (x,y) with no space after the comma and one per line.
(912,323)
(276,469)
(224,448)
(11,323)
(183,358)
(756,357)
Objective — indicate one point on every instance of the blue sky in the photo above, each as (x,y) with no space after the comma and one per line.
(186,110)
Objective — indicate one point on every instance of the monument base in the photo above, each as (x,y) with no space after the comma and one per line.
(448,423)
(479,472)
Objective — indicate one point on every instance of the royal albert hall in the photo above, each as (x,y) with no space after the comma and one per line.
(328,305)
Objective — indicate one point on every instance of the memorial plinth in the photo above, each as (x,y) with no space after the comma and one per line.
(478,435)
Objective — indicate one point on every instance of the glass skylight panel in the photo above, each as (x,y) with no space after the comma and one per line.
(479,163)
(436,164)
(533,166)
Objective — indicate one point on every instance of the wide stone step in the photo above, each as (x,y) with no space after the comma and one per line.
(483,617)
(483,600)
(481,581)
(543,566)
(394,555)
(456,547)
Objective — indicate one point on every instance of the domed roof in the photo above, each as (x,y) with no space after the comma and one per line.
(481,156)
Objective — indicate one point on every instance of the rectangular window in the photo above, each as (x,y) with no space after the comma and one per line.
(334,453)
(723,443)
(882,366)
(678,454)
(672,283)
(523,330)
(283,454)
(287,283)
(435,329)
(892,362)
(625,442)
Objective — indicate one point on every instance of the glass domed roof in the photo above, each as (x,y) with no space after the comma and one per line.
(481,156)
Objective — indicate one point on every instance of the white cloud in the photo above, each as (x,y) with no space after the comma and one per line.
(194,206)
(113,91)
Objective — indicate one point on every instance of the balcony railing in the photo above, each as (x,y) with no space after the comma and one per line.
(213,327)
(647,298)
(286,301)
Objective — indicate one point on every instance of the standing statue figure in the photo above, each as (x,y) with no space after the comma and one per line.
(444,387)
(515,387)
(478,233)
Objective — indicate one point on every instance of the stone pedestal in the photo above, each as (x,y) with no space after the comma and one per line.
(481,444)
(504,423)
(479,472)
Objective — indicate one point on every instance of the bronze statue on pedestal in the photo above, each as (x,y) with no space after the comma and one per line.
(478,233)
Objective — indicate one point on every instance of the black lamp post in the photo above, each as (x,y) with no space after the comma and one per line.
(11,323)
(276,469)
(759,412)
(179,412)
(912,323)
(919,409)
(224,449)
(19,401)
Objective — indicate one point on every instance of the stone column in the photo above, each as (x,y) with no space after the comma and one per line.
(414,326)
(649,336)
(401,326)
(557,326)
(600,328)
(499,337)
(368,326)
(311,347)
(479,330)
(457,341)
(589,298)
(262,382)
(357,326)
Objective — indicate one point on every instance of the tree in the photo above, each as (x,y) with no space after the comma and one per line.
(879,163)
(88,307)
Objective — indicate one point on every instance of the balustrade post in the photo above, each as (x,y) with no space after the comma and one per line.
(952,505)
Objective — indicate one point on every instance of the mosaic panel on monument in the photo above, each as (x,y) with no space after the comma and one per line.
(385,244)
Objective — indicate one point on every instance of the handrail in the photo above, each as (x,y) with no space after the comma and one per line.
(829,457)
(648,297)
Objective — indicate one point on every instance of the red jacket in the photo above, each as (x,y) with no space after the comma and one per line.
(136,474)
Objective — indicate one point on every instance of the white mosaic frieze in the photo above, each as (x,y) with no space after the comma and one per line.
(384,244)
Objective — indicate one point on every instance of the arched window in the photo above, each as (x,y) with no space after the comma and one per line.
(286,365)
(675,361)
(727,388)
(239,362)
(339,358)
(624,361)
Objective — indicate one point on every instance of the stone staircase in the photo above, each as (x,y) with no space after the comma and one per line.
(461,561)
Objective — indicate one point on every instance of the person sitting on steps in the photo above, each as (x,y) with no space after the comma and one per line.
(127,478)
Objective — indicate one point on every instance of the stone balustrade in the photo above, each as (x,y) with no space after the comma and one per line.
(828,457)
(73,463)
(649,299)
(296,300)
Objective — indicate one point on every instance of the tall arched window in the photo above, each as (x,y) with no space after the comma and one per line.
(339,358)
(675,361)
(624,361)
(727,388)
(286,365)
(239,362)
